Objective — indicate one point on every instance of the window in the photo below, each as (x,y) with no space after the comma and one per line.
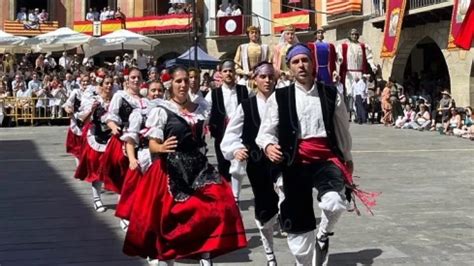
(245,6)
(100,4)
(31,5)
(291,5)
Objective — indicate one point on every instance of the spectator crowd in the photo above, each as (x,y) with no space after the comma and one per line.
(32,18)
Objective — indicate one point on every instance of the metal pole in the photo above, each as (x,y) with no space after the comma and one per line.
(195,34)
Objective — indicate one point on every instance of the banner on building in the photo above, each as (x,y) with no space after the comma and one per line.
(231,25)
(96,28)
(393,27)
(460,9)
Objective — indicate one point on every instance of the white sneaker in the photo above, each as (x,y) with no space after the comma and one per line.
(98,206)
(124,224)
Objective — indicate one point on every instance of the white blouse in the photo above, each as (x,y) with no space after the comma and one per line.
(232,140)
(230,99)
(116,102)
(310,120)
(157,118)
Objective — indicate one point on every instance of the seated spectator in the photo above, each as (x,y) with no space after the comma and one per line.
(33,20)
(43,16)
(3,105)
(90,15)
(19,85)
(21,16)
(454,121)
(422,119)
(442,110)
(236,10)
(467,123)
(43,94)
(408,116)
(34,85)
(59,97)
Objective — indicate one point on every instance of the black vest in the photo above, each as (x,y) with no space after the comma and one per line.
(188,137)
(77,104)
(102,133)
(251,126)
(125,110)
(218,114)
(288,124)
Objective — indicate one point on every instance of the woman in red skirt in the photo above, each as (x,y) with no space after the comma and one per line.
(74,139)
(136,148)
(96,139)
(114,163)
(183,208)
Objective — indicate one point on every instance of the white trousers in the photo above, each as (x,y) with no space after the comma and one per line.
(302,246)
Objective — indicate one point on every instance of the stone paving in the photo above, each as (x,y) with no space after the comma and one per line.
(424,216)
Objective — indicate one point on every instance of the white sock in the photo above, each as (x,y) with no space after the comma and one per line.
(77,161)
(96,189)
(266,235)
(236,187)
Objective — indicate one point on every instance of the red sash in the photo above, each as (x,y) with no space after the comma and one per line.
(316,150)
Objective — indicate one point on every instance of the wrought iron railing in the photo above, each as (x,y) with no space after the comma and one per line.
(379,6)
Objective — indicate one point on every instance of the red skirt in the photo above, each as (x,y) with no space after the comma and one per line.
(127,197)
(74,144)
(160,227)
(114,165)
(89,162)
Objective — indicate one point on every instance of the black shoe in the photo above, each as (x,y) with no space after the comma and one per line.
(322,249)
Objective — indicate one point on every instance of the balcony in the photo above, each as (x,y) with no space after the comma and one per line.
(344,10)
(151,25)
(419,12)
(379,6)
(18,28)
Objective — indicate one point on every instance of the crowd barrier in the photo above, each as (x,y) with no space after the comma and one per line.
(31,110)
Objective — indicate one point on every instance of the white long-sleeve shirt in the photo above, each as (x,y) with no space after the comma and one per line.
(359,88)
(310,120)
(230,99)
(232,140)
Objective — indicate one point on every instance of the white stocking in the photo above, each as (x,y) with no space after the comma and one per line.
(266,234)
(96,188)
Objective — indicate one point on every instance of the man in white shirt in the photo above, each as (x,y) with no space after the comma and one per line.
(306,131)
(110,14)
(223,102)
(90,15)
(359,91)
(239,147)
(18,84)
(65,61)
(96,14)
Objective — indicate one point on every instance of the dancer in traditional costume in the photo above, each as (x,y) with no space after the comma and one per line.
(137,151)
(74,139)
(183,207)
(239,144)
(306,131)
(114,162)
(248,55)
(287,39)
(324,56)
(224,101)
(97,137)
